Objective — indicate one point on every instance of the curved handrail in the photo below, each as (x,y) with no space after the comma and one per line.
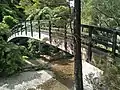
(91,35)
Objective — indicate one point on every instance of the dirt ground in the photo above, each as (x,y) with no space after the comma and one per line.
(64,71)
(62,68)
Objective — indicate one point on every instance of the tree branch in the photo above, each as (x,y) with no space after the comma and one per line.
(107,15)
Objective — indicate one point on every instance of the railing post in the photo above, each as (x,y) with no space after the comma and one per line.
(39,35)
(39,29)
(90,46)
(82,29)
(12,31)
(107,41)
(50,33)
(21,27)
(25,28)
(31,28)
(65,38)
(72,44)
(17,30)
(77,45)
(114,43)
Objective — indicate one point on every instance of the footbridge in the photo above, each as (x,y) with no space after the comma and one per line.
(102,39)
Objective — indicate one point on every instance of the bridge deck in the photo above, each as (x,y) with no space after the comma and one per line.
(56,40)
(103,39)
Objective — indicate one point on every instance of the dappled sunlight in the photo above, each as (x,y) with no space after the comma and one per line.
(26,80)
(28,62)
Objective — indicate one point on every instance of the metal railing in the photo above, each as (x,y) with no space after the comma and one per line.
(103,39)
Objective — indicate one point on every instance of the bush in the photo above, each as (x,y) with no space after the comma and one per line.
(10,55)
(37,48)
(45,49)
(111,76)
(33,48)
(110,80)
(10,58)
(60,16)
(4,31)
(10,21)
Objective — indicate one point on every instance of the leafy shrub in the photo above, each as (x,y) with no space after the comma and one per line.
(10,54)
(4,31)
(10,21)
(33,48)
(37,48)
(61,16)
(110,79)
(11,58)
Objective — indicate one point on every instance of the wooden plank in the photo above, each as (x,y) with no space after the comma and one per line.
(102,42)
(102,37)
(98,28)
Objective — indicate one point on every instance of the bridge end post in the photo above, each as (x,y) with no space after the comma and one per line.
(77,46)
(90,45)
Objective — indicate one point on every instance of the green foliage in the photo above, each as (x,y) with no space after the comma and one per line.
(87,11)
(4,31)
(42,14)
(110,79)
(37,48)
(10,55)
(33,48)
(10,21)
(103,13)
(10,58)
(8,7)
(52,3)
(61,16)
(111,76)
(55,10)
(107,12)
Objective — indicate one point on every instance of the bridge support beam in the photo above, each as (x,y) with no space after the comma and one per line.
(77,46)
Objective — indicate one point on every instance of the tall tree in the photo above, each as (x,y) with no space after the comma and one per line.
(8,8)
(105,13)
(34,8)
(77,46)
(87,11)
